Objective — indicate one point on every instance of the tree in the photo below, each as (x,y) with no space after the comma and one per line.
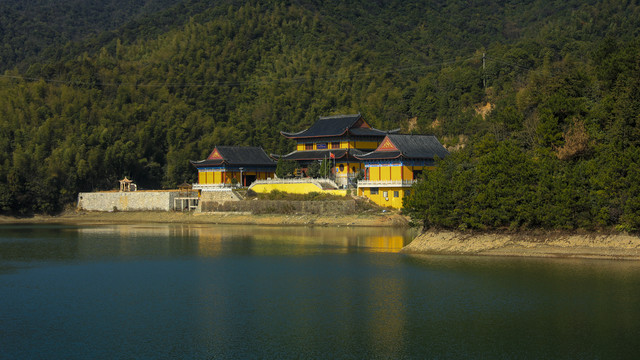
(319,169)
(286,168)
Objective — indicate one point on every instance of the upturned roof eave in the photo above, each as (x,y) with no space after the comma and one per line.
(313,154)
(370,156)
(204,163)
(299,136)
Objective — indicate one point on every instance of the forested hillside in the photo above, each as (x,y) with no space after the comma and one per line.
(547,121)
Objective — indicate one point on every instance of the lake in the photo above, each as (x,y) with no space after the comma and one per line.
(235,292)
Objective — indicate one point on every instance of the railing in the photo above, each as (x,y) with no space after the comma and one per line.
(382,183)
(215,187)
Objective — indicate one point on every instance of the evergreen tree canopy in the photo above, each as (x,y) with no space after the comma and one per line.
(541,97)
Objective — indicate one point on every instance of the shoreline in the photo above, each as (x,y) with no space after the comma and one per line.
(222,218)
(542,244)
(547,244)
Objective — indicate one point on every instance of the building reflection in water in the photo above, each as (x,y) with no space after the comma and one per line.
(260,240)
(215,240)
(263,278)
(315,303)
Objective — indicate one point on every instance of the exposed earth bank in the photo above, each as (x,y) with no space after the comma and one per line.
(543,244)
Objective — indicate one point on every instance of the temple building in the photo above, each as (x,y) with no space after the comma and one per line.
(395,165)
(338,138)
(389,162)
(227,166)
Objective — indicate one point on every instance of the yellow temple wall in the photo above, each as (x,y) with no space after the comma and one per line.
(371,145)
(365,144)
(348,168)
(391,200)
(394,173)
(385,173)
(407,172)
(297,188)
(207,177)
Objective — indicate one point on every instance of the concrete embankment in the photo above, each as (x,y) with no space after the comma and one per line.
(548,244)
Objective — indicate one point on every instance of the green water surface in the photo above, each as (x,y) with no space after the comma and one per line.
(236,292)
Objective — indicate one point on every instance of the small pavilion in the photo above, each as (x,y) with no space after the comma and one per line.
(127,185)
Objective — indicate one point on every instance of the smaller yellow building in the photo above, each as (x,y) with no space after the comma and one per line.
(395,165)
(233,165)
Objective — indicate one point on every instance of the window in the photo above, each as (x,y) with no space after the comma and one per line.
(374,191)
(396,194)
(407,193)
(335,145)
(308,146)
(341,167)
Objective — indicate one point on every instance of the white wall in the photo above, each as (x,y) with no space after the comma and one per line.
(127,201)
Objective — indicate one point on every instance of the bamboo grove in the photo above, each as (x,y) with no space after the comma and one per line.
(538,101)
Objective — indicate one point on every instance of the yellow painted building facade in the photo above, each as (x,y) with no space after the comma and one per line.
(337,139)
(395,165)
(322,144)
(213,176)
(387,184)
(394,171)
(387,196)
(228,165)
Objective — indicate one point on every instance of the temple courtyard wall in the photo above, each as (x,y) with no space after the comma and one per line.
(257,207)
(298,186)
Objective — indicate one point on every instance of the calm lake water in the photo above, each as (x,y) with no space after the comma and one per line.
(236,292)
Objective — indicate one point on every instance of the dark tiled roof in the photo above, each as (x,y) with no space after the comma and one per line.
(326,126)
(410,146)
(370,132)
(238,156)
(322,154)
(380,155)
(335,126)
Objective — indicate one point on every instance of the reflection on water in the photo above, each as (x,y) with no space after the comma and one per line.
(126,241)
(298,240)
(555,308)
(173,291)
(212,240)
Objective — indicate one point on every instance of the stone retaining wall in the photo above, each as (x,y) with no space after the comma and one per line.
(127,201)
(282,206)
(218,196)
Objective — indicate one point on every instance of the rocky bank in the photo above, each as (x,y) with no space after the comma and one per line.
(547,244)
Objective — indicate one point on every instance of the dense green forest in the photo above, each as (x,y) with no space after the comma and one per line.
(540,98)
